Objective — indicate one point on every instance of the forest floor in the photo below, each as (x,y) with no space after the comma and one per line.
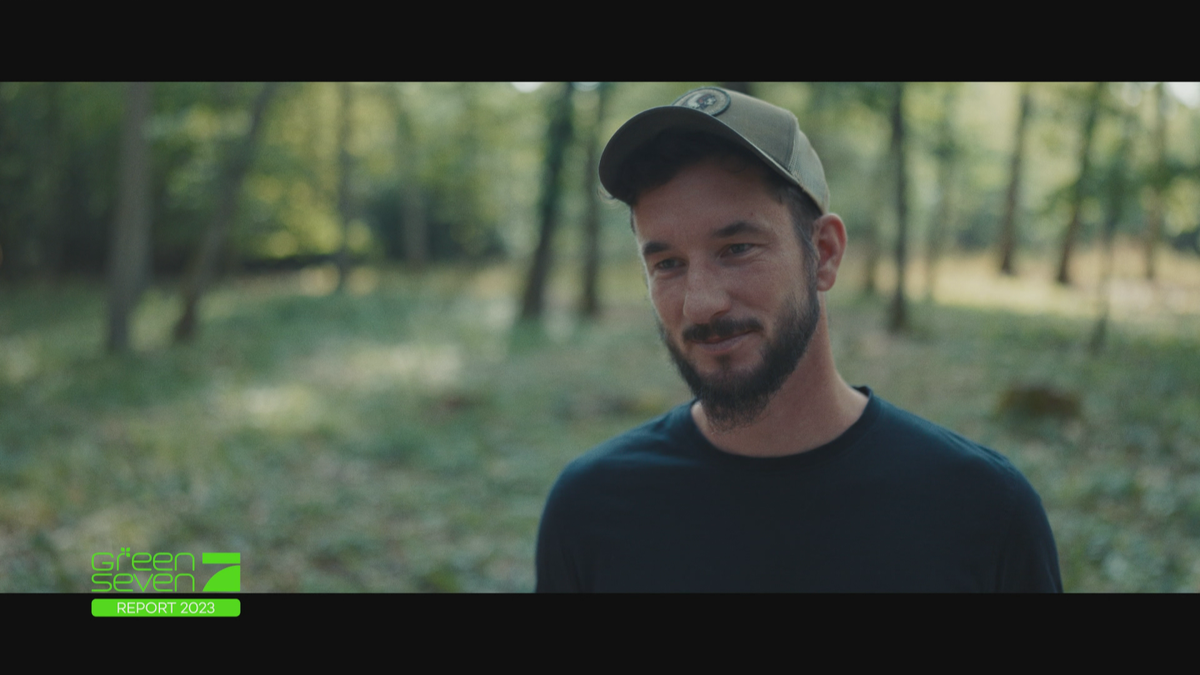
(401,437)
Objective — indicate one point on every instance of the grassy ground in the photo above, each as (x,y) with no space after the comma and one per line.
(402,438)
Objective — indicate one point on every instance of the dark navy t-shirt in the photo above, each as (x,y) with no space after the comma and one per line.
(896,503)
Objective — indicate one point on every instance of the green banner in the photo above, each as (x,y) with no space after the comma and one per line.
(173,607)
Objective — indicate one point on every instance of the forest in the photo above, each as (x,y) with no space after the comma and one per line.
(354,330)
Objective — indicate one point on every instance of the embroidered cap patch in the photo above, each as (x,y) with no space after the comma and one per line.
(707,100)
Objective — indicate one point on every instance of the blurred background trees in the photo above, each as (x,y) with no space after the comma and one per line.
(390,437)
(411,174)
(131,229)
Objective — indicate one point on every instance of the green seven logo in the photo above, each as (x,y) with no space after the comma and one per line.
(168,572)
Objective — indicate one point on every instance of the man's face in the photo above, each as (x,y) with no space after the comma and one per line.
(736,302)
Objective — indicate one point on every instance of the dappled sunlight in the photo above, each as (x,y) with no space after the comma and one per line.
(969,285)
(395,441)
(495,282)
(125,523)
(363,280)
(398,429)
(1168,304)
(18,360)
(1187,92)
(374,367)
(318,280)
(282,408)
(497,315)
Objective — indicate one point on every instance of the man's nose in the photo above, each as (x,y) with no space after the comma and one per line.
(706,297)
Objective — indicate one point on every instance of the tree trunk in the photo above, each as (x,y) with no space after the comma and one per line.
(416,229)
(558,138)
(129,249)
(469,165)
(1012,202)
(343,190)
(898,316)
(203,266)
(1154,219)
(589,305)
(12,226)
(3,202)
(872,238)
(1117,188)
(947,156)
(53,177)
(1085,151)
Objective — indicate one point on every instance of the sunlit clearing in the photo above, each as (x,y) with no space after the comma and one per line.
(18,361)
(526,87)
(318,280)
(276,408)
(1162,306)
(363,280)
(375,367)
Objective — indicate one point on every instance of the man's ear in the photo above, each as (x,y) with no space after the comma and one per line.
(829,238)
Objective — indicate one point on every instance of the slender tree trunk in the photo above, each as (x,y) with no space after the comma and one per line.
(947,156)
(1072,231)
(343,190)
(416,229)
(589,305)
(468,164)
(1116,191)
(15,231)
(558,138)
(53,166)
(1012,202)
(872,238)
(3,202)
(1154,219)
(128,259)
(202,268)
(898,315)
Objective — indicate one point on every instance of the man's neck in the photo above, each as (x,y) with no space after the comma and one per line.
(813,407)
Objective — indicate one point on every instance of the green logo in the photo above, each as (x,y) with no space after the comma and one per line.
(168,572)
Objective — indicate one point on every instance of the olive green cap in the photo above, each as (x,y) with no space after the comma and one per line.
(768,131)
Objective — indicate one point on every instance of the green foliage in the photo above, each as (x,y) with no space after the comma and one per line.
(58,144)
(401,439)
(472,153)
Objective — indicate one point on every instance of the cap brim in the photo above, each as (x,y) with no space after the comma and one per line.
(643,127)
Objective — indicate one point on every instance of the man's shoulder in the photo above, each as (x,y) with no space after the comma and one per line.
(592,496)
(966,475)
(930,445)
(978,491)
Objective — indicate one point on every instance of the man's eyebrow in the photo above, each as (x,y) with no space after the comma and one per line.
(653,247)
(730,230)
(734,229)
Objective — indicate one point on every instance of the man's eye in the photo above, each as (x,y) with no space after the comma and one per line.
(736,249)
(668,264)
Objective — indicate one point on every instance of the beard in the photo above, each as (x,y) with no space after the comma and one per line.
(734,399)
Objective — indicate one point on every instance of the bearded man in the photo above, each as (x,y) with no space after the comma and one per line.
(778,476)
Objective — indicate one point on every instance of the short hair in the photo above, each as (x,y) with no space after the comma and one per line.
(658,161)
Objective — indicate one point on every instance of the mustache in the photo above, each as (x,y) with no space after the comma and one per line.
(720,329)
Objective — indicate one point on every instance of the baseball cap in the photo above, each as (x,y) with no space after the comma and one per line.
(768,131)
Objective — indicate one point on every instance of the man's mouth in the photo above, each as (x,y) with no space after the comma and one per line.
(719,344)
(714,339)
(720,331)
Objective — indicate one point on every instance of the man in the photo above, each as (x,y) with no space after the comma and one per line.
(779,476)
